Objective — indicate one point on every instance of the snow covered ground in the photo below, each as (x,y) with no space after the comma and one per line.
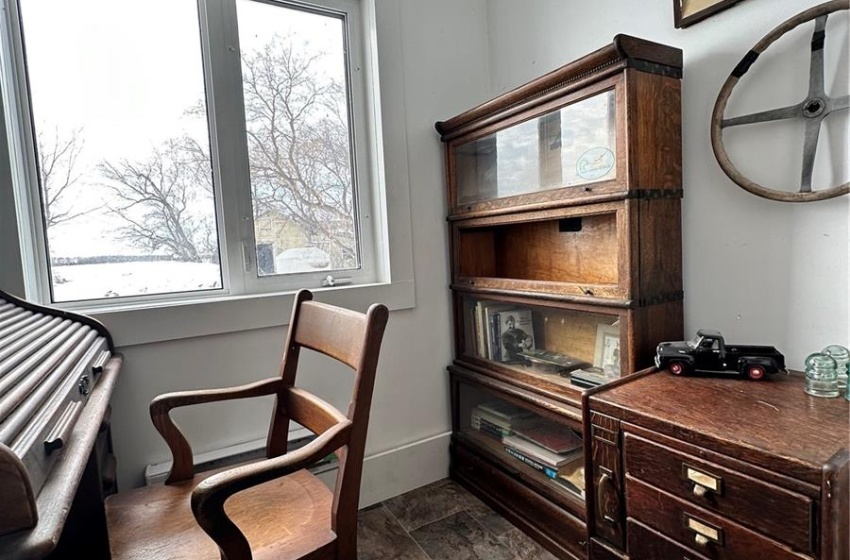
(95,281)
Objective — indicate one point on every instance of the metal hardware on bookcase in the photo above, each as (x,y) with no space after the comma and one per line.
(651,194)
(661,69)
(678,295)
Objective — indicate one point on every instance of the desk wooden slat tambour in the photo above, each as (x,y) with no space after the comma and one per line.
(57,373)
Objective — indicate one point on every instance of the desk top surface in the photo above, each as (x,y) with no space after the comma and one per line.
(773,417)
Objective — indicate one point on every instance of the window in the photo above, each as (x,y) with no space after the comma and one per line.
(176,148)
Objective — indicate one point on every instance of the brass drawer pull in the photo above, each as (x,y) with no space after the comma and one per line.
(704,533)
(609,517)
(704,483)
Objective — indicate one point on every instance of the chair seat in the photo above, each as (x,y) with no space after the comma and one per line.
(285,518)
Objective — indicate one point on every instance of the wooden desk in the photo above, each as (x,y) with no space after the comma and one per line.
(718,468)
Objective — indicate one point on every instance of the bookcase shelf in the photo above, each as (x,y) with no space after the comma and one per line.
(490,436)
(563,493)
(565,229)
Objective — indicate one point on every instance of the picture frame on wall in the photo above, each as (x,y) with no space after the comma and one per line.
(688,12)
(607,355)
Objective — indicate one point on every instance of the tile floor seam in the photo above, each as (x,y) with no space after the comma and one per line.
(462,510)
(498,538)
(403,528)
(419,546)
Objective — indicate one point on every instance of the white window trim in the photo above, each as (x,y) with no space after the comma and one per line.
(144,323)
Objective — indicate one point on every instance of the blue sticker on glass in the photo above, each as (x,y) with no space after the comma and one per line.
(595,163)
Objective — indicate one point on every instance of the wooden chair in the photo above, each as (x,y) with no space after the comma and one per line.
(273,508)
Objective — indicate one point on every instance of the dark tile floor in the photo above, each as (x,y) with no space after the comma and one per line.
(441,521)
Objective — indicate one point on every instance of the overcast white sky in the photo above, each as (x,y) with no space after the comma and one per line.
(124,72)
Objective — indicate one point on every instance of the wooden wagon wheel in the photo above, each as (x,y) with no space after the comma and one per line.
(814,108)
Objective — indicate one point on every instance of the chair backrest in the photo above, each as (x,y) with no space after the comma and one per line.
(355,340)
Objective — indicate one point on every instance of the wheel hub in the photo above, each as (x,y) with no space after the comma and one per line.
(813,107)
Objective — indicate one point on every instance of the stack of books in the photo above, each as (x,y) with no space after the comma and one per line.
(497,419)
(550,448)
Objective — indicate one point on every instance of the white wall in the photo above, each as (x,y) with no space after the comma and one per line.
(433,58)
(755,269)
(758,270)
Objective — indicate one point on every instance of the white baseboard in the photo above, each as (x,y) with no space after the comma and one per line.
(247,451)
(385,475)
(394,472)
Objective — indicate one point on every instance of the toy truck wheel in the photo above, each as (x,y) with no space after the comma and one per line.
(755,372)
(677,368)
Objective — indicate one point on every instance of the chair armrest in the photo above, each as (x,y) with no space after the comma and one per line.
(209,496)
(183,467)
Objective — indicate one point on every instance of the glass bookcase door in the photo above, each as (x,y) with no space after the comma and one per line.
(573,145)
(562,346)
(543,451)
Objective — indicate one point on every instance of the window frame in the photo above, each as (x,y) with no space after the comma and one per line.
(218,30)
(137,324)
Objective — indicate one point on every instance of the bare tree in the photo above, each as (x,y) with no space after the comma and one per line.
(58,174)
(166,200)
(300,164)
(299,146)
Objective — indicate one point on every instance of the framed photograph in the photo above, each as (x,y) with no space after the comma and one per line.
(607,354)
(688,12)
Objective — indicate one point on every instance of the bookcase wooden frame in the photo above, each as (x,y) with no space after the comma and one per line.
(602,248)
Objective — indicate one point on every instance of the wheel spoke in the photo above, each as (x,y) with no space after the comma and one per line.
(764,116)
(816,88)
(839,103)
(810,147)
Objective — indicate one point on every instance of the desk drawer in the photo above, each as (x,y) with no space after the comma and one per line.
(646,544)
(715,537)
(774,511)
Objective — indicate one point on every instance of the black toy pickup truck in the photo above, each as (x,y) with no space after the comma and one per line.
(708,353)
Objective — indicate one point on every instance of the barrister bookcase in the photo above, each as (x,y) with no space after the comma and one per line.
(564,200)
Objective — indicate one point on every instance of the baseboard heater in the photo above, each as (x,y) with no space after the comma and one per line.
(239,453)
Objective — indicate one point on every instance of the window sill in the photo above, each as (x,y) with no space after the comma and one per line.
(146,325)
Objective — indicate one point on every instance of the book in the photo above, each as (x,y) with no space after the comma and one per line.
(481,333)
(497,416)
(538,453)
(515,334)
(504,410)
(548,471)
(495,345)
(549,435)
(490,431)
(490,327)
(571,476)
(485,426)
(478,415)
